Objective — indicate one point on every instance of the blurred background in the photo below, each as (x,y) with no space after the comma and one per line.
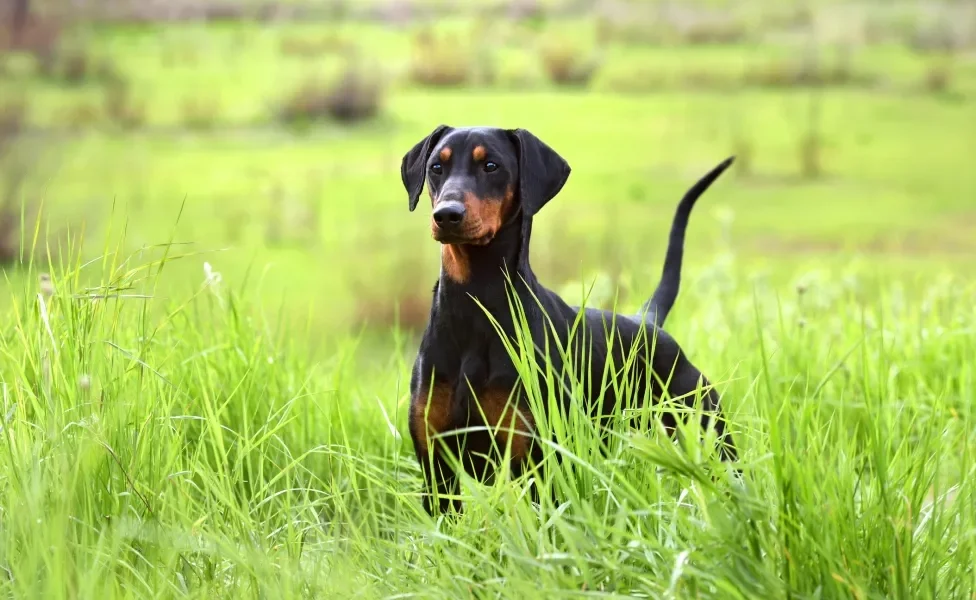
(265,138)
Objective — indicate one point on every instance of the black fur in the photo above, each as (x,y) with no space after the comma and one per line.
(659,305)
(460,349)
(413,167)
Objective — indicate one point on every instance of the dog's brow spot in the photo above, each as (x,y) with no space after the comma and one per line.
(445,154)
(479,153)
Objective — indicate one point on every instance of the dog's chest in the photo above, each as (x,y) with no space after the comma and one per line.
(491,415)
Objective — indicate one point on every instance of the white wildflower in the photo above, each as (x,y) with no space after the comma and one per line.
(46,285)
(211,280)
(211,277)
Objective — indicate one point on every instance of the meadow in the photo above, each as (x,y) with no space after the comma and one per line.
(213,292)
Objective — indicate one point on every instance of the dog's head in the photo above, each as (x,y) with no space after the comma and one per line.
(479,179)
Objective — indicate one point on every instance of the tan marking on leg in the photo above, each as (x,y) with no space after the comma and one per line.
(509,422)
(435,419)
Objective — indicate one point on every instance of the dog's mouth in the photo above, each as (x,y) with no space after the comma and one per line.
(476,239)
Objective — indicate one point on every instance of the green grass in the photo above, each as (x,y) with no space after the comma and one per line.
(897,190)
(197,451)
(896,187)
(167,438)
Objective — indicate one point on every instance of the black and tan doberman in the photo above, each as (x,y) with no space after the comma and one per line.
(486,185)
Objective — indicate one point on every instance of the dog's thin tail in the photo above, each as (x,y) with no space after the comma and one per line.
(659,305)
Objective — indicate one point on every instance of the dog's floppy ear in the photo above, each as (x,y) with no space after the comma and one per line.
(542,172)
(413,169)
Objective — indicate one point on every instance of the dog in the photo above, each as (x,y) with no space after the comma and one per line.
(486,184)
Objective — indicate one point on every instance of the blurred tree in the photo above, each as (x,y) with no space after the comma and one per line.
(19,18)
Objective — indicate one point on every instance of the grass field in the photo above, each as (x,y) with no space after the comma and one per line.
(168,432)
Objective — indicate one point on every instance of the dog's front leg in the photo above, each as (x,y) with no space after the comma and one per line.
(430,419)
(441,481)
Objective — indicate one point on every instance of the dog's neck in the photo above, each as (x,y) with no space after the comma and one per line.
(483,271)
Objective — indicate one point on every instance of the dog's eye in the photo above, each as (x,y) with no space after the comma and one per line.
(436,169)
(490,167)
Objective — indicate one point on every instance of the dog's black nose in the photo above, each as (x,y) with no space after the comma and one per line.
(449,214)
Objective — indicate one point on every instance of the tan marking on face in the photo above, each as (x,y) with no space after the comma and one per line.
(445,154)
(454,260)
(485,217)
(430,413)
(479,153)
(508,421)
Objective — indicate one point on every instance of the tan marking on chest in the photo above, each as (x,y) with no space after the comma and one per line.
(454,259)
